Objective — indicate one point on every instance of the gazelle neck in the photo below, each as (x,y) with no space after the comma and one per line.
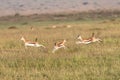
(64,41)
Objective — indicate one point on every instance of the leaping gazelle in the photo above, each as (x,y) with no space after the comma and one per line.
(33,44)
(83,41)
(59,45)
(89,40)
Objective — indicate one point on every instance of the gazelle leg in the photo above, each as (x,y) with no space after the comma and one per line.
(42,46)
(55,49)
(64,47)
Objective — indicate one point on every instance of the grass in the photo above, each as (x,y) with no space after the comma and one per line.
(97,61)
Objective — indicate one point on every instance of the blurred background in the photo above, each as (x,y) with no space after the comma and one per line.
(27,7)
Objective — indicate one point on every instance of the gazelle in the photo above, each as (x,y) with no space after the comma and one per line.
(33,44)
(59,45)
(83,41)
(89,40)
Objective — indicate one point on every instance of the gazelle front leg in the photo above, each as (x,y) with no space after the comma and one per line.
(42,46)
(55,49)
(64,47)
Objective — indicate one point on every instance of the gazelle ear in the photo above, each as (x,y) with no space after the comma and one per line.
(65,40)
(79,36)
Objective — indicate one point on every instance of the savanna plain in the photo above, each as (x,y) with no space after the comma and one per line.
(95,61)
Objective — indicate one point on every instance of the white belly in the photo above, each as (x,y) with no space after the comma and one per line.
(83,42)
(33,45)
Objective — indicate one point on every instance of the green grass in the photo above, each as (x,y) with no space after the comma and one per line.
(97,61)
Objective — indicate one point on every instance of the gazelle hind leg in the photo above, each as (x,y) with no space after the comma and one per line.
(53,51)
(78,42)
(42,46)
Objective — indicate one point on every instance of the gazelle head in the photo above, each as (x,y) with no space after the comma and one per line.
(64,41)
(23,39)
(79,37)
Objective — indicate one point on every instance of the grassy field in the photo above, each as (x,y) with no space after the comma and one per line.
(96,61)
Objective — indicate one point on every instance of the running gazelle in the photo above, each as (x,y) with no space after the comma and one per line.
(88,40)
(32,44)
(59,45)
